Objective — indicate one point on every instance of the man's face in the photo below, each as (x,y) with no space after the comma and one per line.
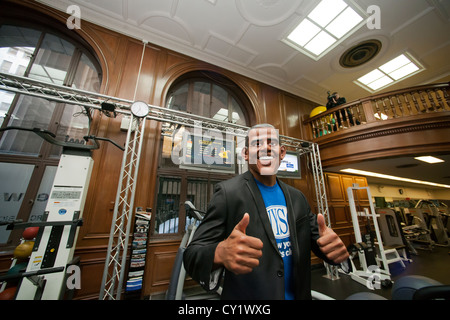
(264,152)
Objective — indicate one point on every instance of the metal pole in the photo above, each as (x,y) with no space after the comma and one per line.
(322,203)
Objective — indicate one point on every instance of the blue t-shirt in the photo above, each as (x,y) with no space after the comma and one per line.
(277,212)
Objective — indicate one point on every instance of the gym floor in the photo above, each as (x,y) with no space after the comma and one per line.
(433,264)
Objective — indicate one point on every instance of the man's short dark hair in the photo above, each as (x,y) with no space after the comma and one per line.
(261,125)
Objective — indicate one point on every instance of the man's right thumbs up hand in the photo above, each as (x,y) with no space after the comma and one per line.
(239,253)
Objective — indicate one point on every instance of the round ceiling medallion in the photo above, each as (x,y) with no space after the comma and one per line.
(266,13)
(360,53)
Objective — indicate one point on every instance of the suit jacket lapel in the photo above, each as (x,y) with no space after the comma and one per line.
(261,208)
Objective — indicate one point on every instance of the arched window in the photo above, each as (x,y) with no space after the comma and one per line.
(51,58)
(48,53)
(183,177)
(207,98)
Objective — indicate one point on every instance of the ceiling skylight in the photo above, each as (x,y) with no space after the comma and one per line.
(389,73)
(329,23)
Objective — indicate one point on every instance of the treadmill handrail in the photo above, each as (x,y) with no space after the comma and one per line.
(50,137)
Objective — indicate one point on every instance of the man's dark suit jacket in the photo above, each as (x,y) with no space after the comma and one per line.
(233,198)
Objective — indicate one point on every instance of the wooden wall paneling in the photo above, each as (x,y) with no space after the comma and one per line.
(334,187)
(92,262)
(146,86)
(338,215)
(162,84)
(91,278)
(362,195)
(158,269)
(106,44)
(147,179)
(271,107)
(293,110)
(290,114)
(252,89)
(347,181)
(129,77)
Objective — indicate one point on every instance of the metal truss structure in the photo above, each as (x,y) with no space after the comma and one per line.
(115,265)
(116,256)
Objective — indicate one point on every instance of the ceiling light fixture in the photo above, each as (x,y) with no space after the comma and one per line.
(429,159)
(328,24)
(386,176)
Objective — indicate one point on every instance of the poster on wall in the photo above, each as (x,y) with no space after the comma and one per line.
(212,153)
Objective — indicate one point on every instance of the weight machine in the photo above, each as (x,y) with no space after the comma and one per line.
(45,275)
(115,265)
(371,274)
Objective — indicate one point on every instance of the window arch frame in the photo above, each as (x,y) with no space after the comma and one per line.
(189,179)
(23,16)
(221,80)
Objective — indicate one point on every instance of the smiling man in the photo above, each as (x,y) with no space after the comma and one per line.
(261,231)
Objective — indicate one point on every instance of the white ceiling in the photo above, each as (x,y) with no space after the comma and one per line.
(245,36)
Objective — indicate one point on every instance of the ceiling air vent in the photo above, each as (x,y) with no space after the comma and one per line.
(360,54)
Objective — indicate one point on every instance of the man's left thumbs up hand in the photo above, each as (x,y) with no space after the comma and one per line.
(330,243)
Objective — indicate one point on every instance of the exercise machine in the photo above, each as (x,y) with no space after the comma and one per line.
(438,232)
(53,251)
(418,231)
(411,287)
(178,276)
(374,269)
(393,238)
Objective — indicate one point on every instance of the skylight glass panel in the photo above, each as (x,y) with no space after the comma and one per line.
(377,84)
(391,72)
(404,71)
(345,22)
(326,11)
(371,77)
(328,24)
(320,43)
(395,64)
(304,32)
